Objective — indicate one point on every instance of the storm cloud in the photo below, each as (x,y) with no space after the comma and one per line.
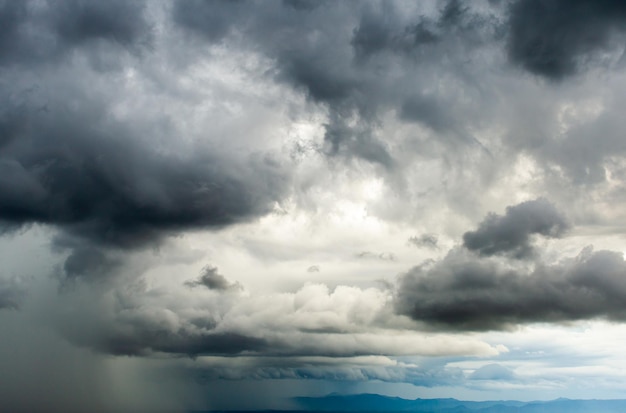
(463,292)
(90,178)
(334,53)
(556,39)
(483,286)
(69,159)
(511,233)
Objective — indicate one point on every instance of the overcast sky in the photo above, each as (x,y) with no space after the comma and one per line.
(225,204)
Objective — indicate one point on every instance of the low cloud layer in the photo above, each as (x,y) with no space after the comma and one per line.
(313,321)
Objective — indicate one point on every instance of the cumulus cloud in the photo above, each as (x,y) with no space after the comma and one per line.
(511,233)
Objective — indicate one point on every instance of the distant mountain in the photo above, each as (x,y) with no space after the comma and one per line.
(378,403)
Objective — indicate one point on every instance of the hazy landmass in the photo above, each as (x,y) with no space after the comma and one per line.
(379,403)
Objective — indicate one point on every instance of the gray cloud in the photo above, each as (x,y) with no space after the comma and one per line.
(213,20)
(381,29)
(384,256)
(40,32)
(88,261)
(144,341)
(123,22)
(559,38)
(134,324)
(334,53)
(11,294)
(327,368)
(12,14)
(424,240)
(465,292)
(511,233)
(428,111)
(213,280)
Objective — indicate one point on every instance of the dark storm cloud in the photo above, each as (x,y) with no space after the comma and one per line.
(213,280)
(465,292)
(511,233)
(557,38)
(40,32)
(94,178)
(57,163)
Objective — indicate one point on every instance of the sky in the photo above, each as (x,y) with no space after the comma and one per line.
(227,204)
